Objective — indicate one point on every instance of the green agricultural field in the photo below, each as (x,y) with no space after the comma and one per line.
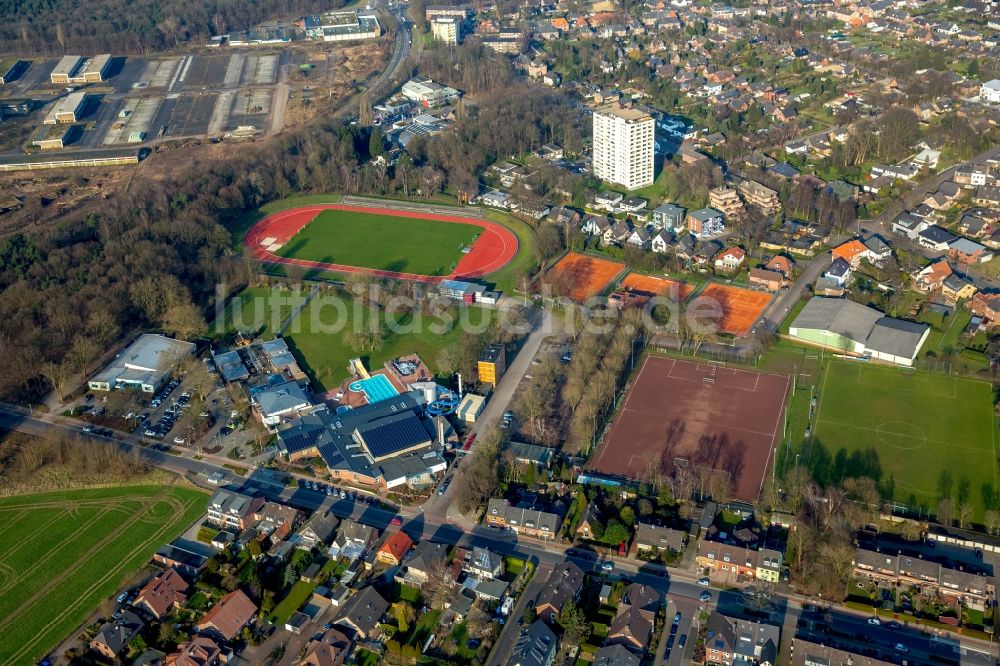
(926,436)
(383,242)
(63,552)
(320,338)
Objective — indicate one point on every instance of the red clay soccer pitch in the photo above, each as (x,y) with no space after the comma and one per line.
(685,413)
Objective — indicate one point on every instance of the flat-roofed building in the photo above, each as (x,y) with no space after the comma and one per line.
(89,158)
(447,29)
(93,70)
(624,149)
(51,137)
(145,364)
(66,68)
(67,109)
(492,364)
(11,68)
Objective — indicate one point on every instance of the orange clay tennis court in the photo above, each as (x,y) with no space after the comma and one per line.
(740,307)
(648,285)
(588,275)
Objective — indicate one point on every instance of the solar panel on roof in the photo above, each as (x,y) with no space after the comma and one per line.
(387,436)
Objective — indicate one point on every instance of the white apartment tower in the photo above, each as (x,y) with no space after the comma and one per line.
(447,29)
(623,146)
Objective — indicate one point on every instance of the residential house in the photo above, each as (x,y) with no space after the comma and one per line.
(783,265)
(966,251)
(496,199)
(177,554)
(162,593)
(318,530)
(936,238)
(987,306)
(233,511)
(954,585)
(617,233)
(731,641)
(614,655)
(769,563)
(932,276)
(639,238)
(878,249)
(838,272)
(330,648)
(608,200)
(563,586)
(809,653)
(633,624)
(956,288)
(567,216)
(281,402)
(529,522)
(656,539)
(225,619)
(115,635)
(362,613)
(727,559)
(974,175)
(668,216)
(632,204)
(909,225)
(394,549)
(353,539)
(591,516)
(975,226)
(705,252)
(275,520)
(536,646)
(899,172)
(199,651)
(705,222)
(987,195)
(730,259)
(594,225)
(418,567)
(530,454)
(853,251)
(483,563)
(765,279)
(661,242)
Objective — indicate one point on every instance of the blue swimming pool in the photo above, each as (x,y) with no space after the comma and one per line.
(376,388)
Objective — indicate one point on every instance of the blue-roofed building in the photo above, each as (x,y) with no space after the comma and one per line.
(275,402)
(231,366)
(385,444)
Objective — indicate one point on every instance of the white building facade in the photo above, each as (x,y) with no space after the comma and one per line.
(624,147)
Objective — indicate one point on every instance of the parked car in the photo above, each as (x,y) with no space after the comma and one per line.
(874,621)
(677,617)
(180,440)
(704,582)
(683,641)
(88,428)
(607,566)
(396,521)
(705,596)
(901,648)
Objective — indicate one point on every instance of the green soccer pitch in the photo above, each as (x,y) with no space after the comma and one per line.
(934,434)
(382,242)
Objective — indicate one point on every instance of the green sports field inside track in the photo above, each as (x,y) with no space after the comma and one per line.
(382,242)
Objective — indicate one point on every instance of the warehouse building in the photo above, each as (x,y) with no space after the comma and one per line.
(857,330)
(90,158)
(76,69)
(349,26)
(145,364)
(11,68)
(52,137)
(427,93)
(384,444)
(67,109)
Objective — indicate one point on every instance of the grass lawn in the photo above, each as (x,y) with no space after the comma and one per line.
(524,263)
(63,552)
(365,657)
(256,309)
(427,624)
(923,429)
(316,336)
(384,242)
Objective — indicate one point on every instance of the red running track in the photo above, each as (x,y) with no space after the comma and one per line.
(493,250)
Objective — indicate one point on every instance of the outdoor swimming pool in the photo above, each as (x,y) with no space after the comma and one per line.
(376,388)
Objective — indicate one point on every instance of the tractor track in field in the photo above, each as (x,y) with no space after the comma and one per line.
(97,547)
(179,507)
